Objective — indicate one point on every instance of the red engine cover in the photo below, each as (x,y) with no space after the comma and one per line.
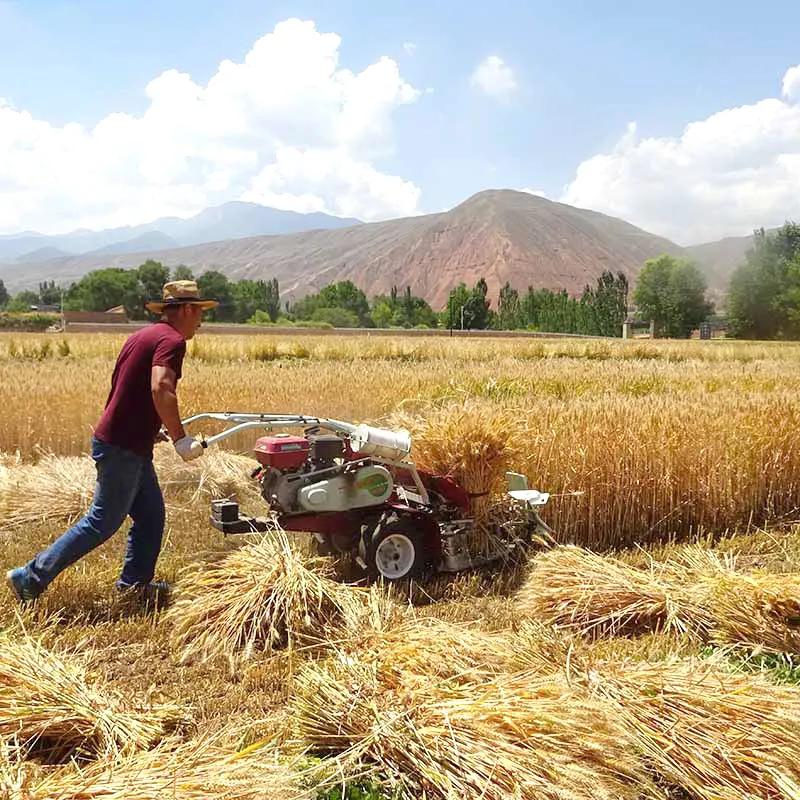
(282,451)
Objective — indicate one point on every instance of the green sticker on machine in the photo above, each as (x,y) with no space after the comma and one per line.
(376,484)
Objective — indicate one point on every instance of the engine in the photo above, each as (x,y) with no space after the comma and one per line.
(301,475)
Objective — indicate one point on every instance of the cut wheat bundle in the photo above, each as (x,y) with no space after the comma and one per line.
(193,770)
(69,483)
(492,740)
(759,611)
(420,648)
(718,735)
(267,594)
(696,593)
(474,445)
(574,588)
(49,705)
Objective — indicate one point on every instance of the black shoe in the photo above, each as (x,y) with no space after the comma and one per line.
(154,593)
(23,591)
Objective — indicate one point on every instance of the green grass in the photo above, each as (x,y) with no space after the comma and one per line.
(361,790)
(778,667)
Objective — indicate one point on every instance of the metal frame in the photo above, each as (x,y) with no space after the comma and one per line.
(248,421)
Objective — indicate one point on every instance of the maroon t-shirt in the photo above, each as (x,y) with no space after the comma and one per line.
(130,419)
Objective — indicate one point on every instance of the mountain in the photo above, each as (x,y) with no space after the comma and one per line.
(238,220)
(501,235)
(155,240)
(233,220)
(719,259)
(41,254)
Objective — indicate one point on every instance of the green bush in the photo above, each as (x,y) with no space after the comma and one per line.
(11,321)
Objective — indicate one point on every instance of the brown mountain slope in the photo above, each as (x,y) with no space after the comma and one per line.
(501,235)
(720,259)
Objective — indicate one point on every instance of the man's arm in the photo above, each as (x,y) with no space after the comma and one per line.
(163,385)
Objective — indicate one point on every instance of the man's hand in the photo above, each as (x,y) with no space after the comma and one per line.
(188,448)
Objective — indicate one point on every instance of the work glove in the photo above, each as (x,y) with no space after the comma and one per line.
(188,448)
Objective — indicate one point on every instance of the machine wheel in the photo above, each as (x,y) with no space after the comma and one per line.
(397,551)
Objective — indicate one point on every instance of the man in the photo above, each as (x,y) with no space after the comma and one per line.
(142,399)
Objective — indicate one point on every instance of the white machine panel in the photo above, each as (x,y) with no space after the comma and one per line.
(369,486)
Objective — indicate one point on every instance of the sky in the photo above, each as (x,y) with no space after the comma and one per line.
(682,118)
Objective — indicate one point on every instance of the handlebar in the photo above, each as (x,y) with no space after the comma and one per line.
(246,421)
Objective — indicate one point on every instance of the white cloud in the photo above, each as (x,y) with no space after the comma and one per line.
(288,123)
(290,180)
(725,175)
(494,77)
(791,83)
(409,47)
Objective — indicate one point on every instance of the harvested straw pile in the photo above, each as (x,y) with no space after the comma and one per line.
(499,739)
(195,770)
(423,648)
(698,593)
(12,777)
(265,595)
(49,705)
(573,588)
(760,611)
(67,480)
(718,735)
(69,484)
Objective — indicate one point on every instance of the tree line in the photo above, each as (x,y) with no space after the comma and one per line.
(763,300)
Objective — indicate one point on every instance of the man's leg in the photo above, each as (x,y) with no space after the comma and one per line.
(118,476)
(144,538)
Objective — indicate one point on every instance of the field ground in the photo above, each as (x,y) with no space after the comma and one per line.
(647,448)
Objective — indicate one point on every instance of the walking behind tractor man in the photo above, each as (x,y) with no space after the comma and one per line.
(142,398)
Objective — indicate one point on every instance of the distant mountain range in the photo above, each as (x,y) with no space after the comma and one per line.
(229,221)
(501,235)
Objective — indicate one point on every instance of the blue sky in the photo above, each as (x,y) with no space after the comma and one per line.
(582,71)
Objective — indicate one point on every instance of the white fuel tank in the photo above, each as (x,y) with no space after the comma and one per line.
(369,486)
(369,441)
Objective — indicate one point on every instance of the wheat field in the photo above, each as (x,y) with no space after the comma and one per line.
(676,464)
(638,441)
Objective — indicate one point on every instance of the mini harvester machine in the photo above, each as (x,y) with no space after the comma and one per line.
(357,492)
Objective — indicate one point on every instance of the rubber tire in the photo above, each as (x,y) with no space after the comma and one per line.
(422,556)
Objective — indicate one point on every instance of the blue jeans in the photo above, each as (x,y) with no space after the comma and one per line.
(126,485)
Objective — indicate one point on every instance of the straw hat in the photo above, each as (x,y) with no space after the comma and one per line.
(180,293)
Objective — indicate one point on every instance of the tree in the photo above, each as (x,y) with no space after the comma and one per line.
(407,311)
(509,310)
(4,295)
(152,277)
(49,294)
(671,292)
(251,296)
(456,301)
(342,295)
(182,273)
(764,294)
(217,286)
(22,301)
(471,307)
(107,288)
(611,303)
(477,314)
